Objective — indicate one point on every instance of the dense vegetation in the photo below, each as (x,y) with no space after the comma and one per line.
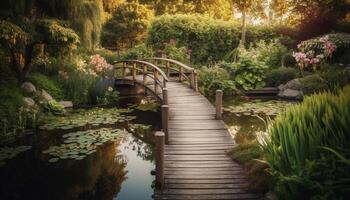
(55,50)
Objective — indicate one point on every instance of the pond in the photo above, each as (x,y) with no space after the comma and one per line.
(99,158)
(246,117)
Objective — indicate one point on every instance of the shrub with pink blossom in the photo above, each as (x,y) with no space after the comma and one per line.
(311,58)
(99,63)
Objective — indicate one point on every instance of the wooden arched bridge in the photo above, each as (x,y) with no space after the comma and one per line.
(191,150)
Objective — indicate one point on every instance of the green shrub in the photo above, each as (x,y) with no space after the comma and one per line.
(110,56)
(270,52)
(214,78)
(249,72)
(43,82)
(11,101)
(282,75)
(176,53)
(139,52)
(208,38)
(313,84)
(78,87)
(308,148)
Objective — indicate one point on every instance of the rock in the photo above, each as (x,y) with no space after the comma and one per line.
(294,84)
(28,88)
(29,102)
(291,94)
(46,96)
(270,195)
(66,104)
(281,87)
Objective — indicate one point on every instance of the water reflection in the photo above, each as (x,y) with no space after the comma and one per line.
(116,171)
(97,177)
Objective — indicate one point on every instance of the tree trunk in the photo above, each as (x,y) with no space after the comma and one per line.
(244,27)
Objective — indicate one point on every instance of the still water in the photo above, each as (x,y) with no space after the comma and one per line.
(117,170)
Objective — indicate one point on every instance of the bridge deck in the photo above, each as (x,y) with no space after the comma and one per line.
(196,164)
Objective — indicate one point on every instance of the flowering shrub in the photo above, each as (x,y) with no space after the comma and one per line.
(99,64)
(307,57)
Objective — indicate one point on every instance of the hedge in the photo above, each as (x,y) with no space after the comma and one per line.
(209,39)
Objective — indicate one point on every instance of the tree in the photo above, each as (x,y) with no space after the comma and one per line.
(20,45)
(128,25)
(84,16)
(254,7)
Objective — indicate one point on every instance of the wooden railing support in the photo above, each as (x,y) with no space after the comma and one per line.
(134,65)
(155,76)
(218,103)
(165,96)
(124,69)
(165,122)
(160,143)
(167,68)
(181,71)
(144,80)
(195,82)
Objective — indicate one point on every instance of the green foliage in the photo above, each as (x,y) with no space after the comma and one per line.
(209,39)
(138,52)
(53,31)
(245,152)
(43,82)
(270,52)
(214,78)
(301,166)
(128,25)
(85,17)
(11,101)
(55,108)
(341,40)
(282,75)
(110,56)
(248,71)
(11,34)
(176,53)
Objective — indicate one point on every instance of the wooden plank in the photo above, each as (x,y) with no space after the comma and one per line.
(209,197)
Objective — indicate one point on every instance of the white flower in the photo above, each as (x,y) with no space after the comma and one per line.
(110,89)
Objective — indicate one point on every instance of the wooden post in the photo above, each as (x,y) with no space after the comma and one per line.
(180,73)
(155,77)
(165,122)
(195,82)
(167,68)
(192,80)
(134,72)
(165,96)
(218,103)
(124,69)
(160,143)
(144,75)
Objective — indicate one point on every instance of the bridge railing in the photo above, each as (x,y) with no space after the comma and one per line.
(185,73)
(134,68)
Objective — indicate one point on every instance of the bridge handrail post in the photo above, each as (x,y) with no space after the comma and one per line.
(181,73)
(160,143)
(165,96)
(192,80)
(134,65)
(195,81)
(167,68)
(218,104)
(155,77)
(144,75)
(165,122)
(124,69)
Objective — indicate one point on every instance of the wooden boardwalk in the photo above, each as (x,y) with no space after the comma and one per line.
(196,164)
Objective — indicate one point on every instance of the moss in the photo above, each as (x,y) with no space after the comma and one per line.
(43,82)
